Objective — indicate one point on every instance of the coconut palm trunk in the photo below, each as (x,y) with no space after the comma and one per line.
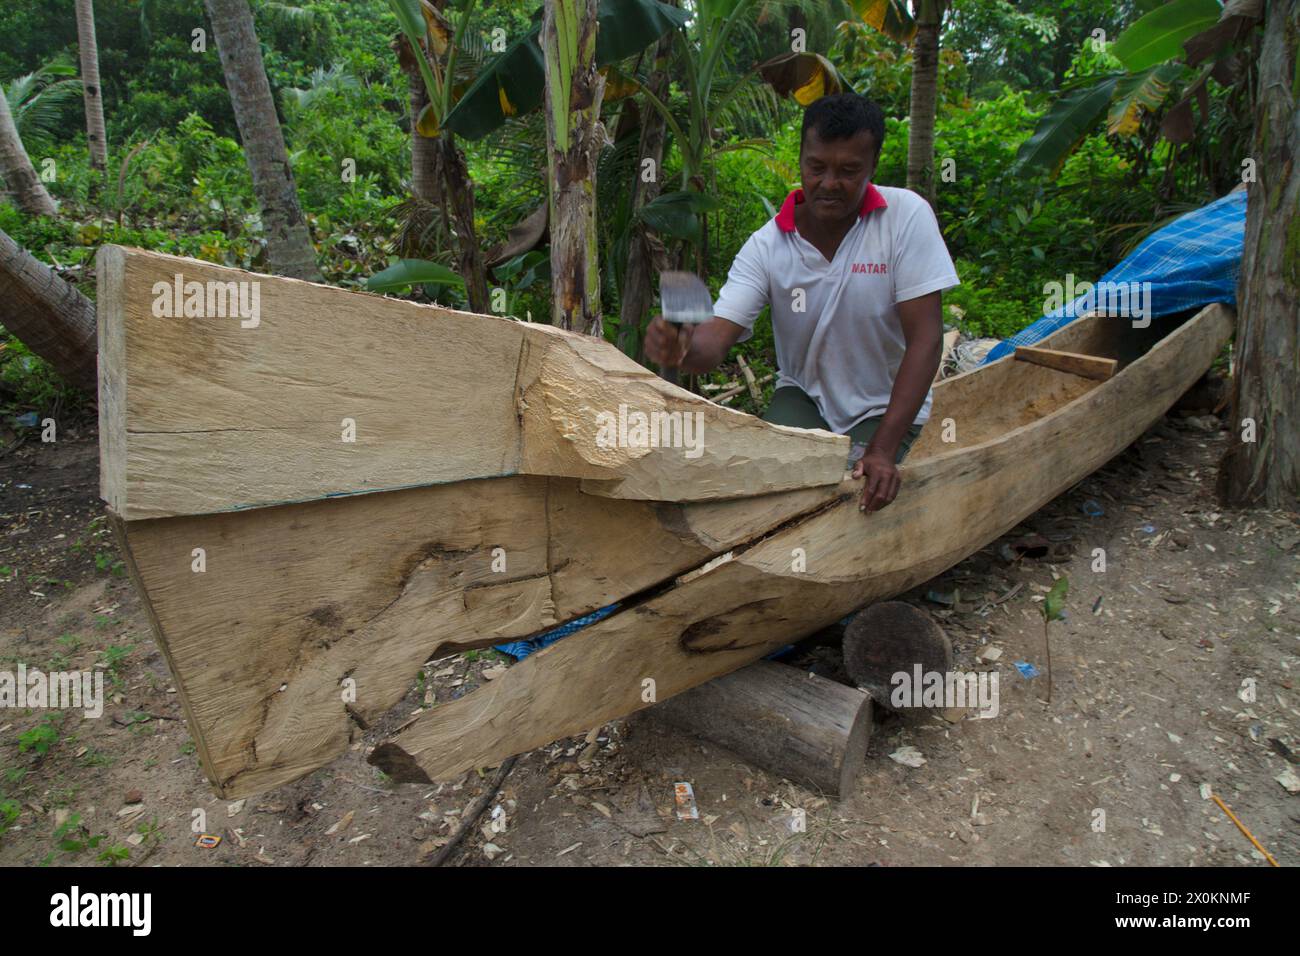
(47,314)
(458,203)
(440,177)
(573,138)
(288,241)
(95,134)
(925,96)
(1266,385)
(424,151)
(29,193)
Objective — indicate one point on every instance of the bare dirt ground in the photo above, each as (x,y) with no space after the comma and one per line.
(1151,711)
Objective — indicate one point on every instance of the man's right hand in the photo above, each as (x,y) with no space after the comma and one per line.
(665,343)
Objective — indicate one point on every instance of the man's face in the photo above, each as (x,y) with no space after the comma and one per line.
(835,174)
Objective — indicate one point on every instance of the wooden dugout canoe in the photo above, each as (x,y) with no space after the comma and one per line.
(298,581)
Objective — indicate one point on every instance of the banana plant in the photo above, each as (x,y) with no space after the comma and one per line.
(431,41)
(424,25)
(710,90)
(1148,51)
(513,83)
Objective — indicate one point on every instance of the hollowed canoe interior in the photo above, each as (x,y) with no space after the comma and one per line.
(992,400)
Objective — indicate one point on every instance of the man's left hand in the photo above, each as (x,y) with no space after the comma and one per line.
(882,478)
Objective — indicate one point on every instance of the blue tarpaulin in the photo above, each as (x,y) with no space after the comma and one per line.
(1191,262)
(521,649)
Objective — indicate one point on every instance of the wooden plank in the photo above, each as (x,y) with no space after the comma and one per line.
(1089,366)
(952,504)
(225,409)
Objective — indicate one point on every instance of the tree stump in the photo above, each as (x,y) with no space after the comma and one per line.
(890,637)
(805,728)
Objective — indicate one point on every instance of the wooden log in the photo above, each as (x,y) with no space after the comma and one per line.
(889,638)
(802,727)
(730,393)
(1089,366)
(223,390)
(312,619)
(1011,457)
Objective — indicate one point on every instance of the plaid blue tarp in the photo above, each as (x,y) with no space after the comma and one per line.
(1191,262)
(521,649)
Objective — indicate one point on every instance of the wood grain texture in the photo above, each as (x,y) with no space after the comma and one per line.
(300,602)
(891,637)
(797,725)
(210,414)
(952,503)
(1089,366)
(295,600)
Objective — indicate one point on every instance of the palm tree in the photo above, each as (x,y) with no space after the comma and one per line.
(19,175)
(288,242)
(47,314)
(574,137)
(925,96)
(38,100)
(90,84)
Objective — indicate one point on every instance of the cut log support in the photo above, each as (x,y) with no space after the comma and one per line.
(890,638)
(1089,366)
(807,729)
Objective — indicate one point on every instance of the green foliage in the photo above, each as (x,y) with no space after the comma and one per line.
(42,737)
(9,811)
(113,657)
(107,562)
(1054,601)
(72,837)
(178,181)
(405,273)
(1159,35)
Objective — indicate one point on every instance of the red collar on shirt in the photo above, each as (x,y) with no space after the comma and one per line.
(871,199)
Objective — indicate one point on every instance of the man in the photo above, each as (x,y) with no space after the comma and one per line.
(853,274)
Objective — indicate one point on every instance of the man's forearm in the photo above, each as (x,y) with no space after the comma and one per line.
(915,375)
(708,350)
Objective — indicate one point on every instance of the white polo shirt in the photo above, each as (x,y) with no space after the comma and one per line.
(837,332)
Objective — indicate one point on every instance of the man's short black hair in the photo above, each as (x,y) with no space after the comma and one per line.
(842,115)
